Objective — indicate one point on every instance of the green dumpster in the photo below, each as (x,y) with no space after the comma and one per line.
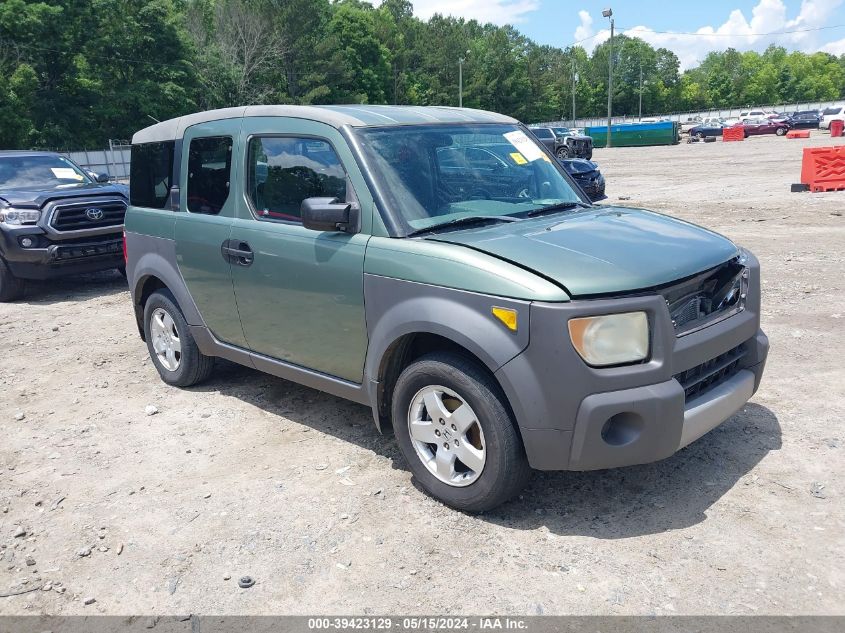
(636,134)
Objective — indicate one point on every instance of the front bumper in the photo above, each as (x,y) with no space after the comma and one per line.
(52,258)
(594,187)
(574,417)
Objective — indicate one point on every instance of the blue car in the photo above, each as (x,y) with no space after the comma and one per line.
(710,129)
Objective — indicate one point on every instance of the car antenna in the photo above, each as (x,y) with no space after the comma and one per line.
(153,118)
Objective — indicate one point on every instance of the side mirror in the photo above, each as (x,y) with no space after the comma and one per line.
(327,214)
(104,177)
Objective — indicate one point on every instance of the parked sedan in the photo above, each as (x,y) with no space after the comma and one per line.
(707,129)
(807,119)
(757,127)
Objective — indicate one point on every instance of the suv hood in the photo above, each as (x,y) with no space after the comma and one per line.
(610,250)
(37,198)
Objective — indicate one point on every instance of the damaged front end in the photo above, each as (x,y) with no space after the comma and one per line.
(709,297)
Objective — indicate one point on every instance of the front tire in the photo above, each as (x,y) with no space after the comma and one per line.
(562,153)
(11,287)
(780,131)
(171,346)
(456,433)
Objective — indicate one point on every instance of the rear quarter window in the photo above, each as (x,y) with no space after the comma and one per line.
(150,174)
(832,111)
(209,173)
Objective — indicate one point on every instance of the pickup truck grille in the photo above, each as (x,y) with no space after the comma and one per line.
(79,216)
(703,377)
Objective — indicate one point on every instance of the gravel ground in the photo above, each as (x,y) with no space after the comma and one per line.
(162,512)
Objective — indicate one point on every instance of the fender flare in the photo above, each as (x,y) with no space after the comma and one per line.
(157,259)
(397,308)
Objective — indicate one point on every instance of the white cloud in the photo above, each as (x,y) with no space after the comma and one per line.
(496,11)
(835,48)
(585,29)
(737,31)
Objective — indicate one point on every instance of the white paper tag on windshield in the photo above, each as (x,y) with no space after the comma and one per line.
(65,173)
(525,145)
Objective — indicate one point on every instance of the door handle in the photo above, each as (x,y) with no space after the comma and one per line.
(237,252)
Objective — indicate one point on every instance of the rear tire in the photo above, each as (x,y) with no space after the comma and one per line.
(172,348)
(11,287)
(484,435)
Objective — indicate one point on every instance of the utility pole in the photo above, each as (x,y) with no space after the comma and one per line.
(641,91)
(461,61)
(608,13)
(574,81)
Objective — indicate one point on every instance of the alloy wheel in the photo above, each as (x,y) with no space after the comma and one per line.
(446,435)
(165,339)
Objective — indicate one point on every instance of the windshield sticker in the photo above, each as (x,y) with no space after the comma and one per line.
(518,158)
(65,173)
(525,145)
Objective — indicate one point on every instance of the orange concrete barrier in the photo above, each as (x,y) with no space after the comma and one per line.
(823,168)
(733,134)
(798,134)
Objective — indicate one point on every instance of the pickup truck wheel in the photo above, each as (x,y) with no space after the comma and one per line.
(172,348)
(455,431)
(11,287)
(562,153)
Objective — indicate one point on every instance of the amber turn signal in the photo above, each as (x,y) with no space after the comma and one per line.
(506,316)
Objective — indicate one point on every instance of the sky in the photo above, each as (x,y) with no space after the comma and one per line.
(805,25)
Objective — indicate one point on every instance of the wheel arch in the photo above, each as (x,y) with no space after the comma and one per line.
(407,320)
(151,265)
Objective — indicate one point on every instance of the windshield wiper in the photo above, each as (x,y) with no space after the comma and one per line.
(466,221)
(552,208)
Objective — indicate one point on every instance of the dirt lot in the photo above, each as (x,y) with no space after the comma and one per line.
(254,475)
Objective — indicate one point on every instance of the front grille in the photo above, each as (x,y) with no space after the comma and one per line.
(76,217)
(701,378)
(707,297)
(91,239)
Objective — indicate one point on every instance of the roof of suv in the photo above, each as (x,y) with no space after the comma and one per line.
(334,115)
(26,152)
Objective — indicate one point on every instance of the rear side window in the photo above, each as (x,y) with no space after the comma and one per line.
(209,170)
(150,174)
(831,111)
(284,171)
(543,132)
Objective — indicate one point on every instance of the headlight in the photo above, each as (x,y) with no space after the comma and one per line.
(19,216)
(612,339)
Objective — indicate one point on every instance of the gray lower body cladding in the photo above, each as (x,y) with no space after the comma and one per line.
(575,417)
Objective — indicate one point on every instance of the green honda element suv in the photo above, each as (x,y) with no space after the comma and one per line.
(439,266)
